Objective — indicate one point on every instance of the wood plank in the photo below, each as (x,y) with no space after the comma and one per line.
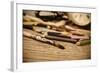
(34,51)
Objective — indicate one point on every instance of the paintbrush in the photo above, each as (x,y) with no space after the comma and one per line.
(42,39)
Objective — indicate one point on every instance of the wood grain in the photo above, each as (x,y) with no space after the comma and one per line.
(34,51)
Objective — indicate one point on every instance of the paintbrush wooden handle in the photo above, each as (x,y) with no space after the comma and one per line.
(77,31)
(27,34)
(61,39)
(69,36)
(42,39)
(38,20)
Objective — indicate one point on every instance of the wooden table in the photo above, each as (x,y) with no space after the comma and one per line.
(34,51)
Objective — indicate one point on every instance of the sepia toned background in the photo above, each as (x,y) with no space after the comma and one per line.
(34,50)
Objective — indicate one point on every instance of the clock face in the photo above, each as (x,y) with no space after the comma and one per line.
(80,19)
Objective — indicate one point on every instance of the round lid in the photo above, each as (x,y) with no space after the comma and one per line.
(80,19)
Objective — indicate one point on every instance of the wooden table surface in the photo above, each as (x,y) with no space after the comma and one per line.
(34,51)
